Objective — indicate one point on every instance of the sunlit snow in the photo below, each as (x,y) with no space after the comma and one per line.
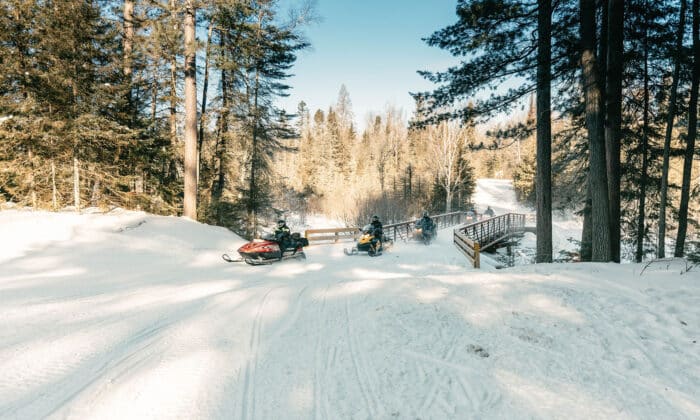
(126,315)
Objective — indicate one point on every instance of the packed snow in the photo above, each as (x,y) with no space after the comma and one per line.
(127,315)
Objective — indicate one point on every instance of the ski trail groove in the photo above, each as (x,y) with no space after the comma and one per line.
(248,398)
(320,409)
(363,382)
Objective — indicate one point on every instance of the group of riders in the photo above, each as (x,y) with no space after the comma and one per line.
(283,235)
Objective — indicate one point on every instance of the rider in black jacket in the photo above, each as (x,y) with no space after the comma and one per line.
(377,232)
(283,235)
(425,222)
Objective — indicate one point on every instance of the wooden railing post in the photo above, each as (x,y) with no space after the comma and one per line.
(477,258)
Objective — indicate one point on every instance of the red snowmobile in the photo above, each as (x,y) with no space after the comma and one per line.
(267,251)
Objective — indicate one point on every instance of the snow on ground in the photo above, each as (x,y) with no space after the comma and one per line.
(132,316)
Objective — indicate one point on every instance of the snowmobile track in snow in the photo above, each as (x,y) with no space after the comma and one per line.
(248,397)
(362,369)
(320,409)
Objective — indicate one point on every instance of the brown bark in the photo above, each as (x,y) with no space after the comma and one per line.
(76,181)
(173,87)
(32,185)
(54,191)
(594,122)
(190,199)
(128,44)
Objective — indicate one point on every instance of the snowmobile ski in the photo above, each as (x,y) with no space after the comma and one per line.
(228,258)
(351,251)
(268,261)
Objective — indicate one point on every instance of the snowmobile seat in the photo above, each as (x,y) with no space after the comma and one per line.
(298,239)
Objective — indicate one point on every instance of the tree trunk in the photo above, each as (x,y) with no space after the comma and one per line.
(222,131)
(448,200)
(544,133)
(54,193)
(128,43)
(643,178)
(190,199)
(661,246)
(692,132)
(587,231)
(95,196)
(154,97)
(76,181)
(603,51)
(173,86)
(597,172)
(32,182)
(253,204)
(613,108)
(205,85)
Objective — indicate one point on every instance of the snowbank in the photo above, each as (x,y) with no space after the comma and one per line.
(128,315)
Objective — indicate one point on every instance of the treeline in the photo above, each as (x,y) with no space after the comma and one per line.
(387,169)
(621,78)
(116,103)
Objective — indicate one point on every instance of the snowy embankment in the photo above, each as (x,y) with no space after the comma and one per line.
(132,316)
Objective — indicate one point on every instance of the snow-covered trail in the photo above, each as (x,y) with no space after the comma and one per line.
(135,316)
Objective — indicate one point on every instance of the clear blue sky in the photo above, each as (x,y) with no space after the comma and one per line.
(374,47)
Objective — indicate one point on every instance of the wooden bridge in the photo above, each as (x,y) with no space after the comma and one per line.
(475,237)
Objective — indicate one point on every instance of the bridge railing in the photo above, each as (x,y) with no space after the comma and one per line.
(396,231)
(404,230)
(472,238)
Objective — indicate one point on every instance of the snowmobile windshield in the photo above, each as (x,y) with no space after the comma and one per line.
(367,228)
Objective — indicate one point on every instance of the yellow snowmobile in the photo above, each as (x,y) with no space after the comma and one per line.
(369,243)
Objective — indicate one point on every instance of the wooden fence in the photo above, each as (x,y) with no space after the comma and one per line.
(331,235)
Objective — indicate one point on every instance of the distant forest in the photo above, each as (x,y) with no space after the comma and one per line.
(118,103)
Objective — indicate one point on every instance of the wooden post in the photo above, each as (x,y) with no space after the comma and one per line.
(477,259)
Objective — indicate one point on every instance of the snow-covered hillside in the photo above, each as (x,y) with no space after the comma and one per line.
(131,316)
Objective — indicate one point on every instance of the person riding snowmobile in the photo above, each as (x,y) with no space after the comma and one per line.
(489,212)
(426,226)
(472,216)
(377,233)
(425,222)
(283,235)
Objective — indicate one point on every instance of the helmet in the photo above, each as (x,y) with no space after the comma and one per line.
(375,217)
(280,223)
(425,214)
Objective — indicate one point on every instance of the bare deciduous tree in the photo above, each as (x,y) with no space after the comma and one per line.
(448,142)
